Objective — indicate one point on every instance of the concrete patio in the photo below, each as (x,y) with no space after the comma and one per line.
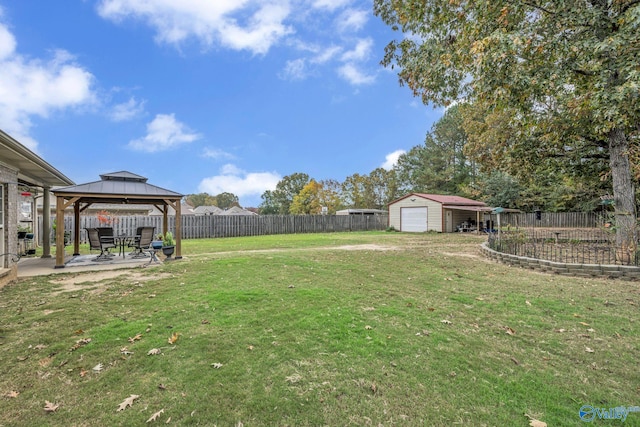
(36,266)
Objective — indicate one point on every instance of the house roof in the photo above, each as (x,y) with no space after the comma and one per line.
(236,210)
(207,210)
(445,200)
(32,169)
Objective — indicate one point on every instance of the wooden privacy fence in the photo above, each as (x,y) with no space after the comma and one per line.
(552,219)
(202,227)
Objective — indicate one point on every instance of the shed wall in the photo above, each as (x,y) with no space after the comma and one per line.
(434,212)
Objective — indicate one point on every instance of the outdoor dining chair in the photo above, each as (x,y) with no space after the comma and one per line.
(102,244)
(142,241)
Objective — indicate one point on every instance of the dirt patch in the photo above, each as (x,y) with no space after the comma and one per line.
(369,247)
(89,280)
(461,254)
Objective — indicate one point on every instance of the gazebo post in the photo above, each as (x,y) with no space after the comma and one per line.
(59,232)
(76,228)
(178,210)
(46,223)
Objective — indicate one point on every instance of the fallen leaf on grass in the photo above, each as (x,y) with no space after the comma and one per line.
(45,362)
(80,343)
(445,321)
(50,407)
(125,351)
(205,322)
(509,331)
(527,302)
(173,338)
(584,324)
(217,365)
(12,394)
(127,402)
(535,423)
(154,351)
(83,372)
(368,328)
(98,367)
(589,350)
(138,337)
(155,416)
(250,348)
(39,347)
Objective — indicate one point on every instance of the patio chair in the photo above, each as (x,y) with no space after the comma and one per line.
(102,244)
(142,241)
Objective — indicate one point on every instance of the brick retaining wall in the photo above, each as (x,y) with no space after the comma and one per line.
(566,269)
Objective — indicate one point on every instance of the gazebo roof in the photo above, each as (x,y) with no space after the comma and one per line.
(118,187)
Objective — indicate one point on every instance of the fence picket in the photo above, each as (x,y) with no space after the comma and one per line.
(201,227)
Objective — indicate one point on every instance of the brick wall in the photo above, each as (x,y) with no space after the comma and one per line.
(8,179)
(566,269)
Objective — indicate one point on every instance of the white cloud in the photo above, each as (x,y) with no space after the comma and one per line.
(294,70)
(391,159)
(127,110)
(355,76)
(330,4)
(35,87)
(243,184)
(326,54)
(352,20)
(164,133)
(7,42)
(360,52)
(214,153)
(252,25)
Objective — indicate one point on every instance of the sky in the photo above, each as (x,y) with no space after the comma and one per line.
(205,95)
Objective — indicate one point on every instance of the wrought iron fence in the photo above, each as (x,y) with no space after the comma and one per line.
(595,246)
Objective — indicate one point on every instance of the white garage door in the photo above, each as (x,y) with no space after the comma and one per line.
(413,219)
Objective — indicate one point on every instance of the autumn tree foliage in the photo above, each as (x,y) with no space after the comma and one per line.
(561,75)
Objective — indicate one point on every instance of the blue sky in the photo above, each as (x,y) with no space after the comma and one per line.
(205,95)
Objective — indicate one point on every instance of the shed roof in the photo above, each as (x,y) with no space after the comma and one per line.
(445,200)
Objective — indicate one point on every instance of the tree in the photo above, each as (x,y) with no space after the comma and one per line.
(563,72)
(354,191)
(200,199)
(501,190)
(227,200)
(440,165)
(384,187)
(307,201)
(279,200)
(269,205)
(330,195)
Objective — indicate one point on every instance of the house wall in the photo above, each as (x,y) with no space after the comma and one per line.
(8,224)
(434,212)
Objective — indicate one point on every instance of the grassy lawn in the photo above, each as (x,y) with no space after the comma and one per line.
(312,330)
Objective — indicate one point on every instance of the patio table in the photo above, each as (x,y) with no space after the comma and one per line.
(122,241)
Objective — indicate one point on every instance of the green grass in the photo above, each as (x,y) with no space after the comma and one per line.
(312,330)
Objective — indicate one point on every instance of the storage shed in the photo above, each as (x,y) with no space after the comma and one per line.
(418,212)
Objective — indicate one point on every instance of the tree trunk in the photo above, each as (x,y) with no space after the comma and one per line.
(623,195)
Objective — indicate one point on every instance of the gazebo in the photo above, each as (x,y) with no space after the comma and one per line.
(117,187)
